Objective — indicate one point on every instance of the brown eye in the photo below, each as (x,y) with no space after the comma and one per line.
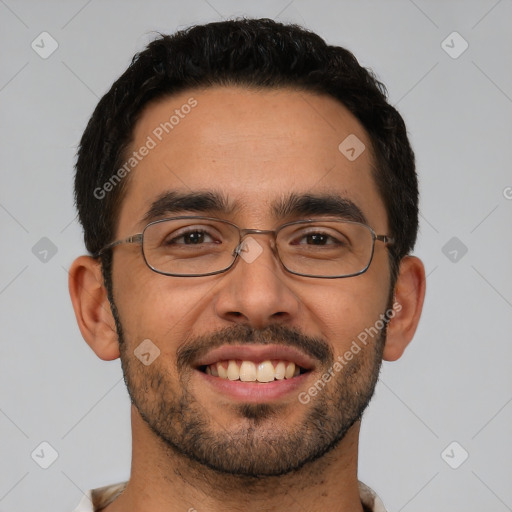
(195,237)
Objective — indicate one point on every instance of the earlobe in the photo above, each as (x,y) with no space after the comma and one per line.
(92,308)
(408,303)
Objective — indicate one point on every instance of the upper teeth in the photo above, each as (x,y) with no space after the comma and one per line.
(247,371)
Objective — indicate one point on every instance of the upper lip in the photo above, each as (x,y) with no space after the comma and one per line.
(256,354)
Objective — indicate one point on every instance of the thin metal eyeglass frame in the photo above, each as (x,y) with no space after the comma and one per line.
(139,239)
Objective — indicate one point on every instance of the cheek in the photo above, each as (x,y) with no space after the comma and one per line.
(345,309)
(160,308)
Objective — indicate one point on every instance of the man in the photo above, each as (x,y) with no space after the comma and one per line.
(250,202)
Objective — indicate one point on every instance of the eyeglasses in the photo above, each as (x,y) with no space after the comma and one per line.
(194,246)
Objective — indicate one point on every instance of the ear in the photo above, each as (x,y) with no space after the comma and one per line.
(92,308)
(407,306)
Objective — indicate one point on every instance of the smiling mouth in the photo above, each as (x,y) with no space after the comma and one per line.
(249,371)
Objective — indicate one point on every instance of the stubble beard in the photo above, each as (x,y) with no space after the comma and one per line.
(259,443)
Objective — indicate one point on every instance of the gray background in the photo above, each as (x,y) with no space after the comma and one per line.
(454,381)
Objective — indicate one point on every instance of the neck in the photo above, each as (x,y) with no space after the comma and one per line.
(165,481)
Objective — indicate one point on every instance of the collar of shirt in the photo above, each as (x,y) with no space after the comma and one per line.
(97,499)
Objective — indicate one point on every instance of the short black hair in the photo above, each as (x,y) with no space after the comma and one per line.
(259,53)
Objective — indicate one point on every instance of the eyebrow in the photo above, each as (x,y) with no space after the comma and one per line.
(172,202)
(304,205)
(292,205)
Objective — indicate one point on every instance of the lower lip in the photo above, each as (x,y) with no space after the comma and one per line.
(255,391)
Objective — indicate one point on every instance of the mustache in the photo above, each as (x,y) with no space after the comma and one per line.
(274,334)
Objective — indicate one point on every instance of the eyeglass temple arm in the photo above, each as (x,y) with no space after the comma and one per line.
(134,239)
(388,240)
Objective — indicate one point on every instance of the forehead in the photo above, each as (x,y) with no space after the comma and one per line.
(252,147)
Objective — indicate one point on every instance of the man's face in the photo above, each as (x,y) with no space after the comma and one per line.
(255,149)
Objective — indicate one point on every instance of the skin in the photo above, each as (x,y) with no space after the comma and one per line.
(255,147)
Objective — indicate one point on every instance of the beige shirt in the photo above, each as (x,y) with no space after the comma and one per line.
(97,499)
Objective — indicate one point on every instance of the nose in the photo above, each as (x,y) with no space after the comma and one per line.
(256,291)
